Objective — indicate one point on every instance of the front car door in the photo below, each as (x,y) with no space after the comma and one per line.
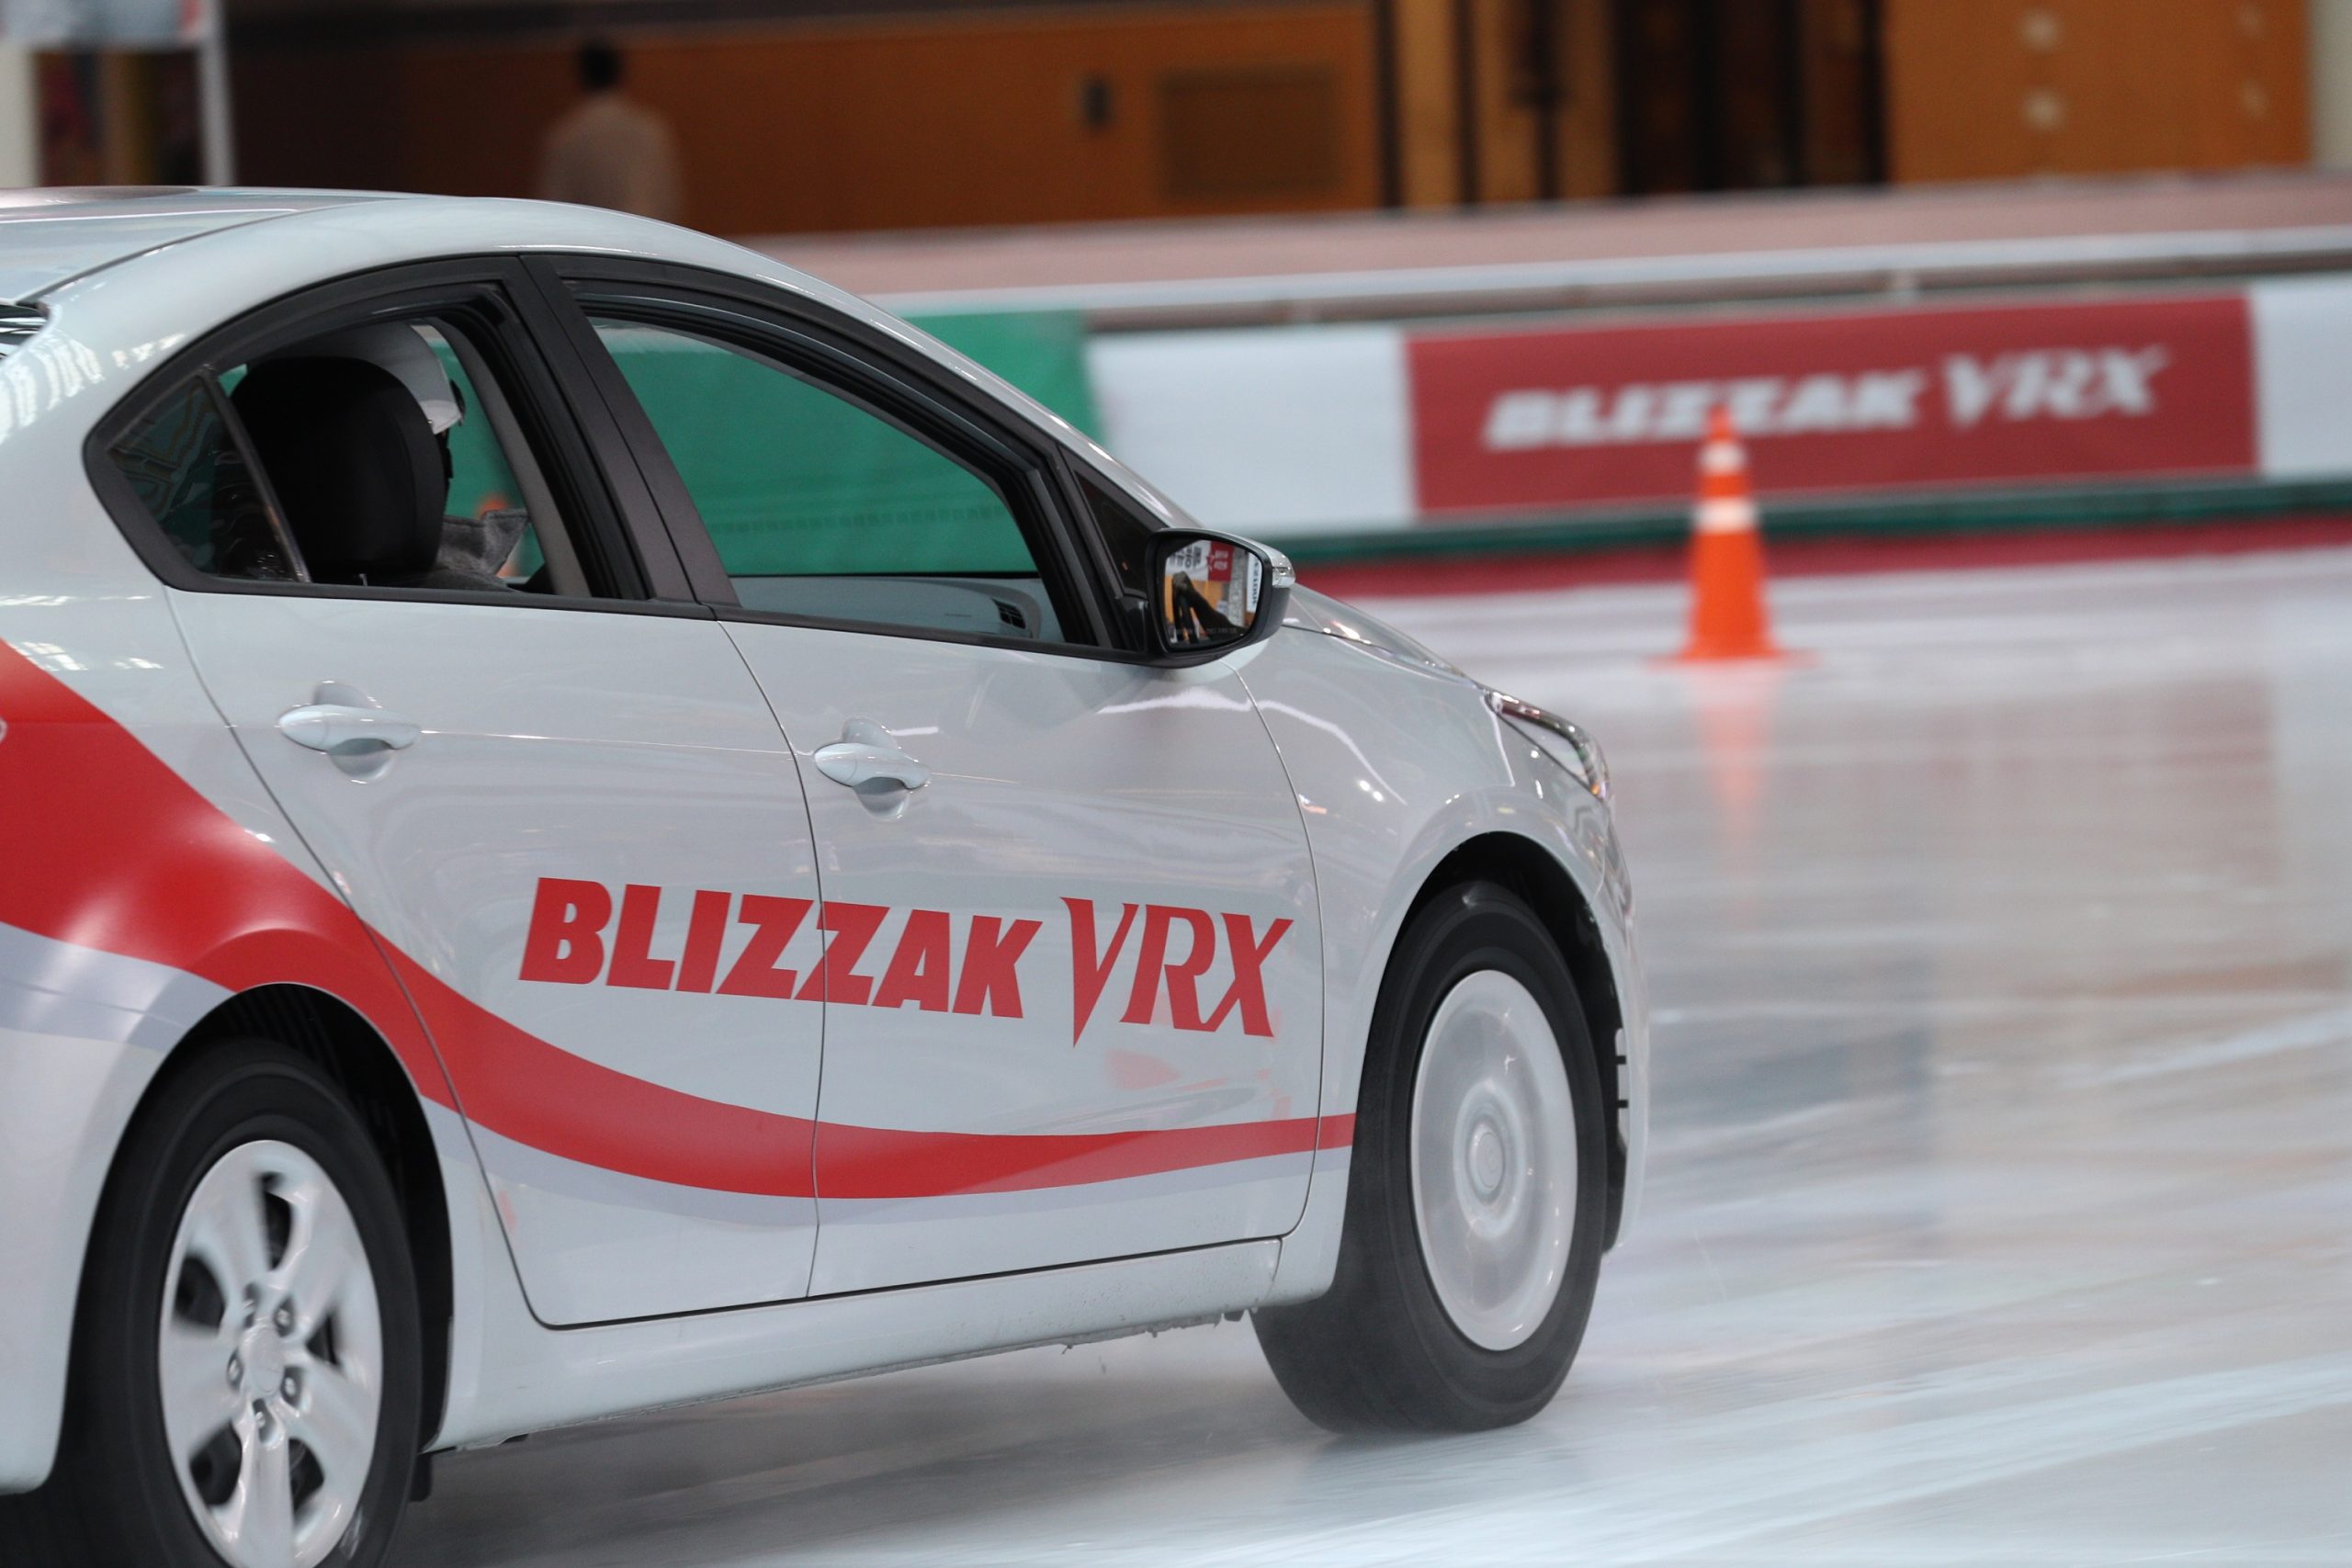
(562,805)
(1073,1005)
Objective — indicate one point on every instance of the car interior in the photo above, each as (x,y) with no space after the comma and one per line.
(385,456)
(380,456)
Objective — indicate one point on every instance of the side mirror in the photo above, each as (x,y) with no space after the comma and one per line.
(1215,594)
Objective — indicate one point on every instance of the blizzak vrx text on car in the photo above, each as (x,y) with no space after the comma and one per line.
(492,693)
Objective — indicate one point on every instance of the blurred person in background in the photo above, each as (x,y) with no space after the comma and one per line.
(609,151)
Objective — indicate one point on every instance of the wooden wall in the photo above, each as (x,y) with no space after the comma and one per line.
(1506,159)
(842,126)
(1079,113)
(1983,89)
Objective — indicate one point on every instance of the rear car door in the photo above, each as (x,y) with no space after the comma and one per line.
(546,782)
(1073,1003)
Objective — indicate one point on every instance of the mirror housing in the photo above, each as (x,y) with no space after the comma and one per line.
(1213,593)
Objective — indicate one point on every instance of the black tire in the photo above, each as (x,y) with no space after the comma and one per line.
(1378,1352)
(114,1497)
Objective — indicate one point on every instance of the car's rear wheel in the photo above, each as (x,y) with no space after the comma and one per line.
(1477,1200)
(245,1386)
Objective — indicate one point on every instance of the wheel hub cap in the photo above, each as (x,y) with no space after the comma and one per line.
(1485,1159)
(1494,1159)
(260,1361)
(270,1356)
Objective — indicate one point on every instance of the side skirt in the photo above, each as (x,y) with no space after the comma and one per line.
(515,1375)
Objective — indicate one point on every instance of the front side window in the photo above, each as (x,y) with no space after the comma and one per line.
(378,457)
(821,506)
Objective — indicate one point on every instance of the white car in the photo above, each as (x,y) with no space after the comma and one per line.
(588,822)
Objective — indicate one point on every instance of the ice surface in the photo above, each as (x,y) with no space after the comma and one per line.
(2001,1198)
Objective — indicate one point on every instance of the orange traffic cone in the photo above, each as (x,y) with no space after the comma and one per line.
(1728,618)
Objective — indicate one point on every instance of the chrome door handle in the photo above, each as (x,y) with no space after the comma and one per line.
(341,730)
(860,762)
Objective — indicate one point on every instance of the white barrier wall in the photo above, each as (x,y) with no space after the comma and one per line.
(1292,432)
(2302,356)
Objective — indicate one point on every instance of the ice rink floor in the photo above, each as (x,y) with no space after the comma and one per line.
(2002,1182)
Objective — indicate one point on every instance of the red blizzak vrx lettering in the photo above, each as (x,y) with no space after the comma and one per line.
(567,945)
(991,980)
(707,934)
(1178,981)
(1248,991)
(1181,979)
(633,962)
(836,978)
(1090,966)
(772,921)
(918,971)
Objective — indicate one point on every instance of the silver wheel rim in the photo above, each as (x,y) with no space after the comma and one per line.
(272,1356)
(1493,1160)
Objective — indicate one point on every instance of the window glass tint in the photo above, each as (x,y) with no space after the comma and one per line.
(186,471)
(483,489)
(819,506)
(382,460)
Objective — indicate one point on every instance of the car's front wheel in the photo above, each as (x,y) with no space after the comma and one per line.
(246,1385)
(1476,1199)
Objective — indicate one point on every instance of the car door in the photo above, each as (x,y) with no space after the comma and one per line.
(1073,1004)
(563,805)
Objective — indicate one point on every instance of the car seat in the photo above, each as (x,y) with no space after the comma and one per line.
(356,471)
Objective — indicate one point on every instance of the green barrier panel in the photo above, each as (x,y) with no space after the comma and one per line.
(2054,510)
(791,481)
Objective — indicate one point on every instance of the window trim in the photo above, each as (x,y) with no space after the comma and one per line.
(634,561)
(850,359)
(1130,602)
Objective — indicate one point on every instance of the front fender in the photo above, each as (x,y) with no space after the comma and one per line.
(1396,763)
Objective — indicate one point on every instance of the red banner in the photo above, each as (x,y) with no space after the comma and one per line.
(1859,400)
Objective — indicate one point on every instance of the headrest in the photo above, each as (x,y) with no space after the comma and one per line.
(354,462)
(400,349)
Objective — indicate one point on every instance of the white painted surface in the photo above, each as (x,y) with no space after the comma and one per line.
(1285,430)
(637,752)
(1055,778)
(2303,361)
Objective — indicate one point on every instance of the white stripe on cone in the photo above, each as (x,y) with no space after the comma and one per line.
(1735,515)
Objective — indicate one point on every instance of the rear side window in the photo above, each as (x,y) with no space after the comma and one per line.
(380,457)
(186,470)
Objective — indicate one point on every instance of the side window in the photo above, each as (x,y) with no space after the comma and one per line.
(381,456)
(819,506)
(187,472)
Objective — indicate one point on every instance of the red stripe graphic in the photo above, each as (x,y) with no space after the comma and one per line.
(105,847)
